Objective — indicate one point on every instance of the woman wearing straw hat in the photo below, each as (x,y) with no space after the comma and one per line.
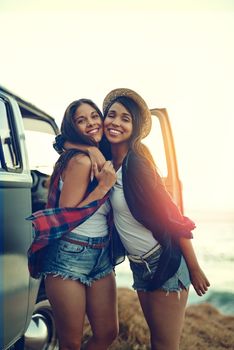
(155,235)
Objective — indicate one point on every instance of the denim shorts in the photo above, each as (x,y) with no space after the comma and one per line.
(78,257)
(144,267)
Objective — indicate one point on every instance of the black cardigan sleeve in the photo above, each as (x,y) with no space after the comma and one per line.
(149,201)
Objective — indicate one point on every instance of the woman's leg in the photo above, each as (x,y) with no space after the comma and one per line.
(68,301)
(101,308)
(164,314)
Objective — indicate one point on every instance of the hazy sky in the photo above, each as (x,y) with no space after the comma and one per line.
(176,54)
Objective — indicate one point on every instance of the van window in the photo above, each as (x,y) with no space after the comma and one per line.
(39,136)
(9,159)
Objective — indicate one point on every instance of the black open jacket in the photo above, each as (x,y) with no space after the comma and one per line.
(152,206)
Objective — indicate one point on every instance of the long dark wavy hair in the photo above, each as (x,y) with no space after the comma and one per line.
(135,143)
(69,130)
(70,133)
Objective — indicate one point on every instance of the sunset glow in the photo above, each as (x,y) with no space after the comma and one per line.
(178,55)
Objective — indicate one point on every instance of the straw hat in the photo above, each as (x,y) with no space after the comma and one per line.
(145,112)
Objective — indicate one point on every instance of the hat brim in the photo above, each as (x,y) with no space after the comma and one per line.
(144,110)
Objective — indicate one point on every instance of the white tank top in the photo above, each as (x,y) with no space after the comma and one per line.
(96,225)
(136,239)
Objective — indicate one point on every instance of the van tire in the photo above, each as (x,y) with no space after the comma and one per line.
(44,319)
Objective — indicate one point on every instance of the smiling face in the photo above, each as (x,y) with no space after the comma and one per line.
(88,122)
(118,125)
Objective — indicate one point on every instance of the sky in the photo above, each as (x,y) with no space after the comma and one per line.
(176,54)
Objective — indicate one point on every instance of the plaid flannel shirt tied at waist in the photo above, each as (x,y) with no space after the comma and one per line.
(52,223)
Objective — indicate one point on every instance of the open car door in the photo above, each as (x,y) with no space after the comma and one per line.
(161,145)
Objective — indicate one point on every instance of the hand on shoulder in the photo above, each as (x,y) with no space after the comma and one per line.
(106,177)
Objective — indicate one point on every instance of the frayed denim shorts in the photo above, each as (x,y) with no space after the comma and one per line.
(143,268)
(78,257)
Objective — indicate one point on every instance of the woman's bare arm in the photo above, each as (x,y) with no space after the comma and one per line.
(198,277)
(76,178)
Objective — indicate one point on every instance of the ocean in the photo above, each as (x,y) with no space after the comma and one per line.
(214,246)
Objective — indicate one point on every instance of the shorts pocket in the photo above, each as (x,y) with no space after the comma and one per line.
(154,258)
(69,251)
(151,264)
(145,269)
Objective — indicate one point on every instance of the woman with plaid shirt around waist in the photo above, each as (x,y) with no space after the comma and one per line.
(75,260)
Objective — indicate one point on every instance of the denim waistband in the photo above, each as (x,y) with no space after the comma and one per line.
(95,242)
(140,258)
